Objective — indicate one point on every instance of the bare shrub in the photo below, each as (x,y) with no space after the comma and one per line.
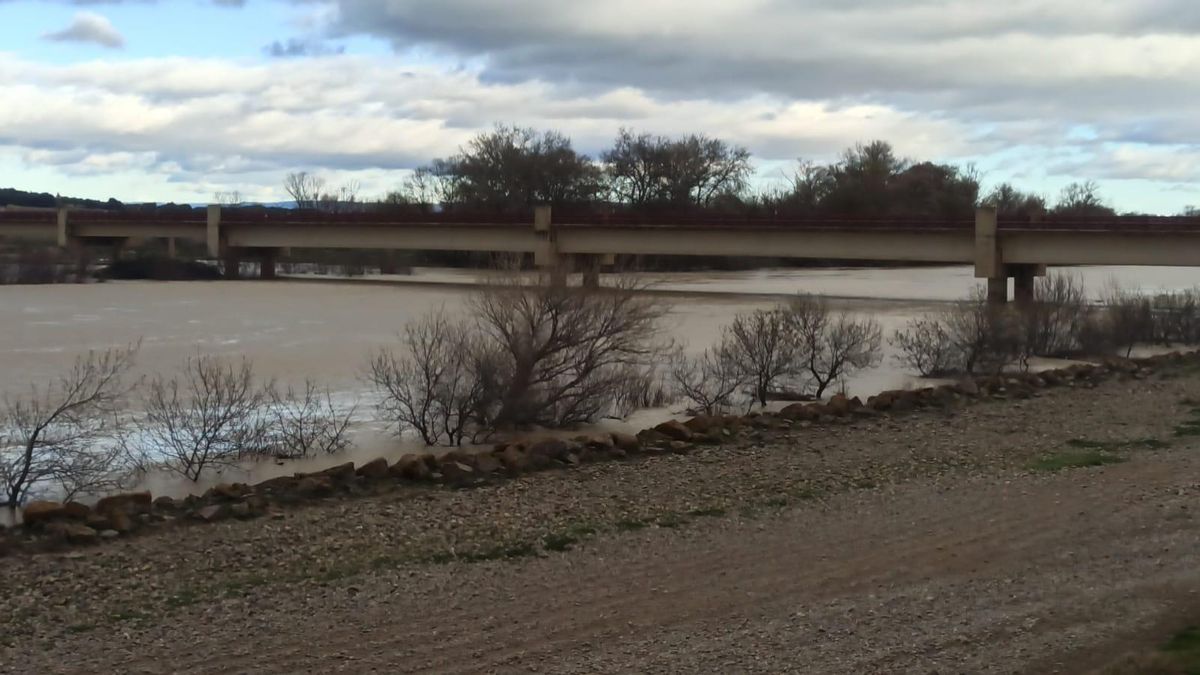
(644,388)
(437,385)
(764,346)
(830,347)
(1052,323)
(1177,317)
(560,355)
(926,346)
(1129,318)
(56,433)
(209,416)
(306,423)
(710,381)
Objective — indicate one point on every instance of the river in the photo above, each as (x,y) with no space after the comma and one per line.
(297,329)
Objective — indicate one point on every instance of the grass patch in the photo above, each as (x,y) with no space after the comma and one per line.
(671,520)
(631,525)
(1075,460)
(183,598)
(81,628)
(1183,650)
(558,542)
(707,513)
(1137,444)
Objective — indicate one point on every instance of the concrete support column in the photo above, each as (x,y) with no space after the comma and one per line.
(172,253)
(1023,280)
(213,234)
(266,269)
(387,263)
(545,256)
(231,260)
(118,247)
(997,291)
(590,266)
(64,228)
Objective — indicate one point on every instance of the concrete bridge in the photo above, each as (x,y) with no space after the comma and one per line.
(999,250)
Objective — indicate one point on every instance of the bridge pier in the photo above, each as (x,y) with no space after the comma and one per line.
(266,264)
(231,263)
(546,256)
(989,264)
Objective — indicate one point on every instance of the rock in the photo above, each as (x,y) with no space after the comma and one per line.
(514,459)
(76,533)
(226,491)
(241,510)
(314,486)
(599,441)
(549,449)
(165,504)
(865,412)
(411,467)
(798,412)
(680,447)
(457,472)
(39,512)
(839,405)
(626,442)
(674,430)
(648,438)
(120,521)
(905,402)
(76,510)
(133,502)
(967,387)
(213,512)
(374,470)
(487,464)
(109,534)
(342,473)
(702,424)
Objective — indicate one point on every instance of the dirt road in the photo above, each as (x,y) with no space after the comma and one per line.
(973,571)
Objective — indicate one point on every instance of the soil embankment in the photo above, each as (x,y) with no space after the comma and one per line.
(922,542)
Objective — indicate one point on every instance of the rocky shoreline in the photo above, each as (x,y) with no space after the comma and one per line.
(50,526)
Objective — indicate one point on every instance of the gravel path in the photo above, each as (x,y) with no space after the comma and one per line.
(915,544)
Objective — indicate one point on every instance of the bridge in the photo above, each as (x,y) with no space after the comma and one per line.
(562,242)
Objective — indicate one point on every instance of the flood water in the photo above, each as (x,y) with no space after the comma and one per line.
(296,329)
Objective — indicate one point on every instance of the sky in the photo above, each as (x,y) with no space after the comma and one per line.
(148,100)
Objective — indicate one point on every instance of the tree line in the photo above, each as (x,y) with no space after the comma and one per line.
(513,168)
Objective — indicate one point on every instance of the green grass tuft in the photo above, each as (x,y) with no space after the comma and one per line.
(1075,460)
(1137,444)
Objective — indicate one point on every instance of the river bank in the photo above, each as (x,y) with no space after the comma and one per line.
(884,543)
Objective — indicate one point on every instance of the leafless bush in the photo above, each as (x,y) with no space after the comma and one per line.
(1129,318)
(1177,317)
(306,423)
(561,354)
(970,336)
(709,380)
(643,388)
(1052,323)
(437,386)
(926,346)
(57,433)
(211,415)
(764,346)
(830,347)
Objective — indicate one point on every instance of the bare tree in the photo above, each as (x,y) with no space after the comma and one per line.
(644,169)
(435,387)
(228,198)
(562,354)
(57,432)
(711,379)
(764,345)
(343,200)
(306,423)
(304,188)
(830,347)
(210,415)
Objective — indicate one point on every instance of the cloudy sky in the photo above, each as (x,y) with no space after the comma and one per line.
(175,100)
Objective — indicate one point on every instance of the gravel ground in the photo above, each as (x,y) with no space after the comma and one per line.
(914,544)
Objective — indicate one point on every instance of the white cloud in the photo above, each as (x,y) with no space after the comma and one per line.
(89,27)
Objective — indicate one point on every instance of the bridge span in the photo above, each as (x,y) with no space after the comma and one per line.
(562,242)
